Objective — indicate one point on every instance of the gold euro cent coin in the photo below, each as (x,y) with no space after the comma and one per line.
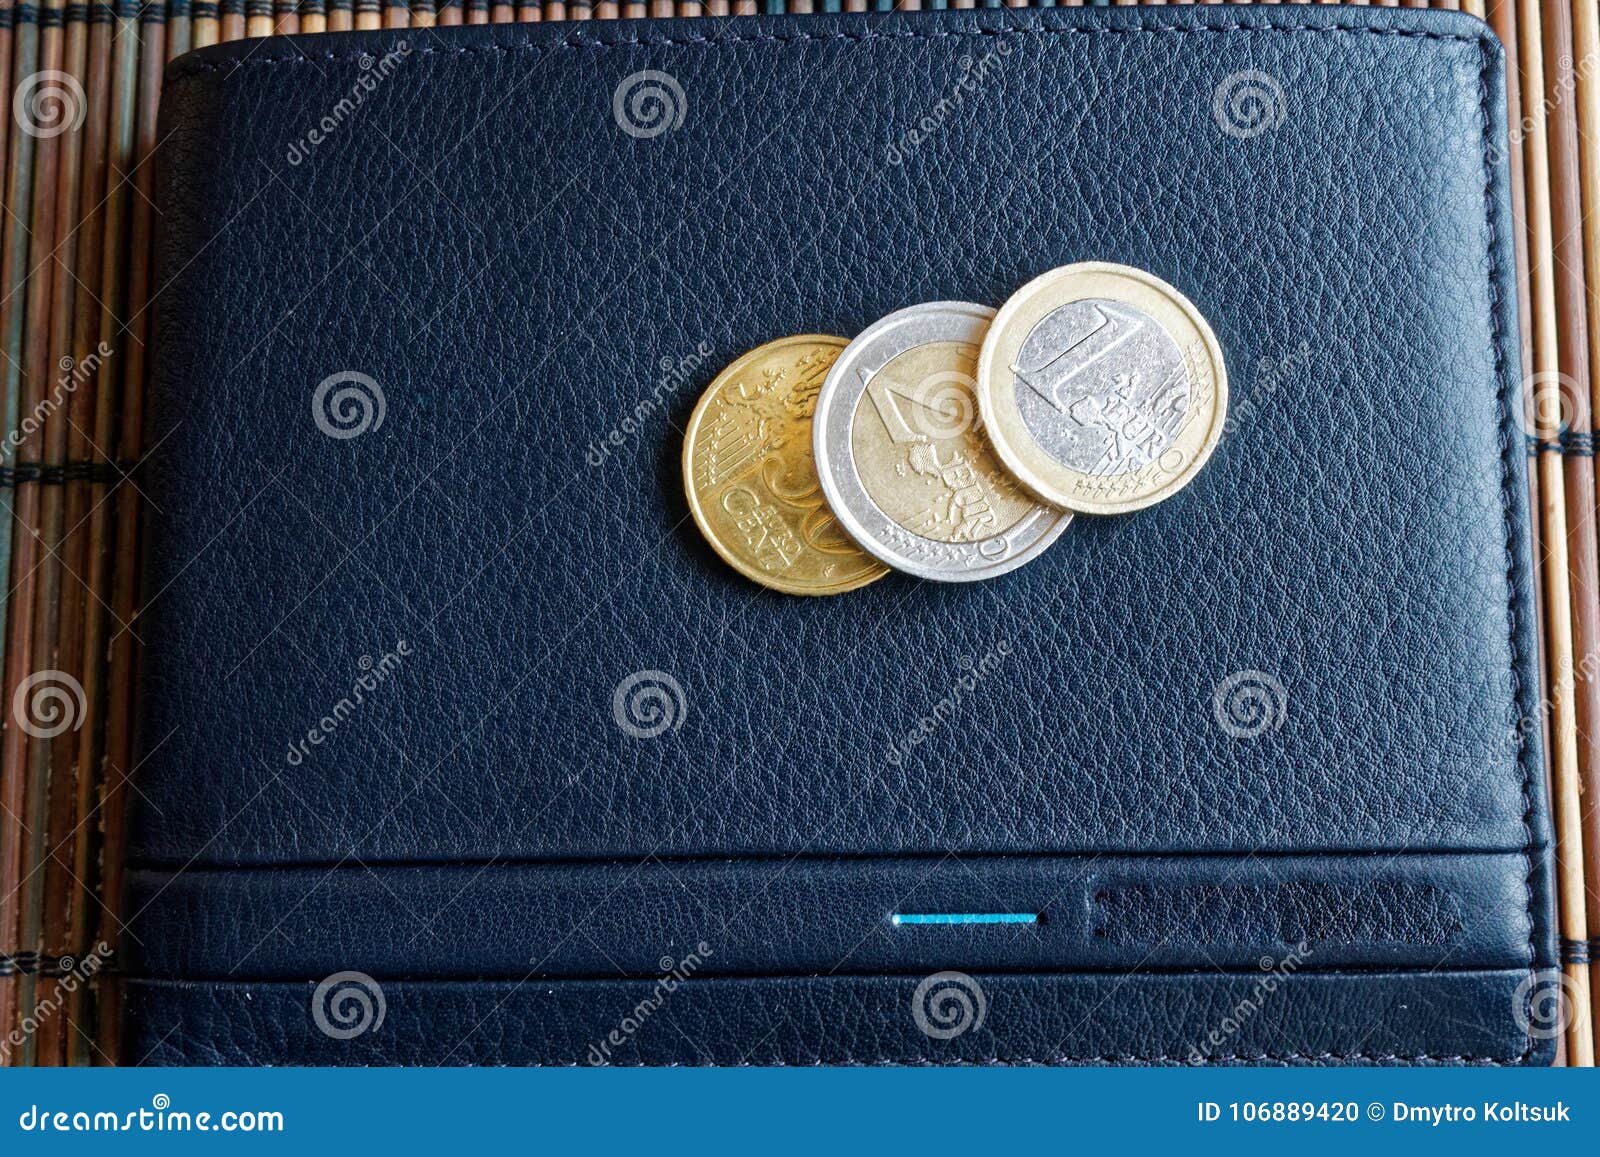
(1102,387)
(902,455)
(750,478)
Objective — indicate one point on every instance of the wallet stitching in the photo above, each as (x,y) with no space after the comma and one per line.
(1486,49)
(1187,1059)
(1508,500)
(184,70)
(1508,503)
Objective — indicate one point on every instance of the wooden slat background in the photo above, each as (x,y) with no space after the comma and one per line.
(75,291)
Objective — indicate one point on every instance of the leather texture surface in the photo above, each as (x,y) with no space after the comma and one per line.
(820,915)
(1079,1018)
(521,278)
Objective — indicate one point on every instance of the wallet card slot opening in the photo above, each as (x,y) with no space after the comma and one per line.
(1043,913)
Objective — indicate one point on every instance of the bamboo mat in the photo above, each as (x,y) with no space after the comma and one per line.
(83,82)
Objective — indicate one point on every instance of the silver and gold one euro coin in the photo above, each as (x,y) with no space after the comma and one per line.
(1102,388)
(750,480)
(902,456)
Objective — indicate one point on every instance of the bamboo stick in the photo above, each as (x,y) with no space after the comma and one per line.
(52,757)
(80,758)
(15,255)
(130,373)
(1558,593)
(17,749)
(1586,48)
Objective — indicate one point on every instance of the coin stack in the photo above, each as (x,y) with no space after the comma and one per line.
(951,441)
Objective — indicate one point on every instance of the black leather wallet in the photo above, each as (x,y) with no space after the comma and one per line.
(462,746)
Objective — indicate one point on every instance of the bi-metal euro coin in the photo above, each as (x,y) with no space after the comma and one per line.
(750,479)
(901,452)
(1102,388)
